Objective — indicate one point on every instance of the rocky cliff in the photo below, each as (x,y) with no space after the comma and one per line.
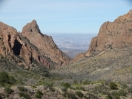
(45,44)
(109,55)
(17,48)
(117,34)
(30,48)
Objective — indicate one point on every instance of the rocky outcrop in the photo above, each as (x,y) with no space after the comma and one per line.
(117,34)
(17,48)
(45,44)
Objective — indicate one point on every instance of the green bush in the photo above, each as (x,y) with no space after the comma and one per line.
(86,82)
(113,86)
(6,79)
(66,85)
(122,92)
(8,90)
(24,95)
(38,94)
(22,89)
(69,95)
(115,95)
(12,80)
(108,97)
(79,94)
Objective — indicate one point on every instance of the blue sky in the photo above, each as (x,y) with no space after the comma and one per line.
(62,16)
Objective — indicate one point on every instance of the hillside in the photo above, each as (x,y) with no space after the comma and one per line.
(45,44)
(109,55)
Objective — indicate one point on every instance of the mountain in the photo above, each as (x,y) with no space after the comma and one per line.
(109,55)
(102,72)
(117,34)
(45,44)
(39,49)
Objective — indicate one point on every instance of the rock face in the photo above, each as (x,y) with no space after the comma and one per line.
(45,44)
(18,48)
(117,34)
(30,47)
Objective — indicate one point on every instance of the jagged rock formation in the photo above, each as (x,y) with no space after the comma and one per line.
(45,44)
(117,34)
(18,48)
(39,49)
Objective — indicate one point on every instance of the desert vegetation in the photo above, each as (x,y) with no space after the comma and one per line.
(60,88)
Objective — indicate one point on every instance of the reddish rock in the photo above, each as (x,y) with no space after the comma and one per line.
(18,48)
(117,34)
(45,44)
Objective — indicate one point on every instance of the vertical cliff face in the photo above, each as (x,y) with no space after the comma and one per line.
(117,34)
(17,48)
(44,43)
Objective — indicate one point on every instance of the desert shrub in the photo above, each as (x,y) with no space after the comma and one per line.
(113,86)
(33,86)
(12,80)
(38,94)
(6,79)
(79,94)
(69,95)
(100,89)
(24,95)
(64,89)
(130,89)
(52,89)
(115,95)
(122,92)
(8,90)
(86,82)
(108,97)
(22,89)
(66,85)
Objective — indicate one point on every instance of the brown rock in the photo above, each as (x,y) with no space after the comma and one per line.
(117,34)
(18,48)
(45,44)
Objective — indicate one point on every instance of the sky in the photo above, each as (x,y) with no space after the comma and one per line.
(63,16)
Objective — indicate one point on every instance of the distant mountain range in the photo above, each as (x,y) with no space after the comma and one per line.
(72,44)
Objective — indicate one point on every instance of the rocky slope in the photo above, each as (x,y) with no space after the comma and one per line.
(109,55)
(39,49)
(117,34)
(45,44)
